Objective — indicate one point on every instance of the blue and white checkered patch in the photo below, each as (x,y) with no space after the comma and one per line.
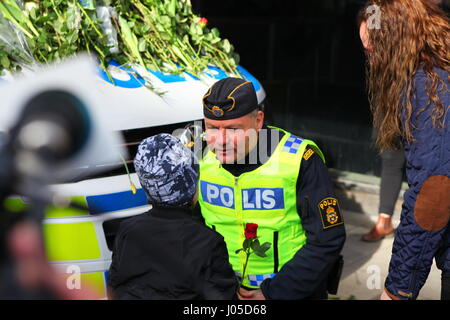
(257,279)
(292,144)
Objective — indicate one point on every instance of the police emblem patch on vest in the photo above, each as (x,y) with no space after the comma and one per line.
(330,213)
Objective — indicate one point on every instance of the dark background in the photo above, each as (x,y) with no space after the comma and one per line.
(308,57)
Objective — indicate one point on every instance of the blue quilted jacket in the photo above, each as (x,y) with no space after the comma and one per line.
(424,232)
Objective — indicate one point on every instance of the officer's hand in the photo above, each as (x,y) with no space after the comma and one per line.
(250,295)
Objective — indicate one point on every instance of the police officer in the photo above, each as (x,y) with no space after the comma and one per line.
(265,175)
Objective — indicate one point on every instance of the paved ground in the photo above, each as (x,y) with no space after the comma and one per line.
(366,264)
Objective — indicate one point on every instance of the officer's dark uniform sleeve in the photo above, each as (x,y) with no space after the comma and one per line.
(309,268)
(220,280)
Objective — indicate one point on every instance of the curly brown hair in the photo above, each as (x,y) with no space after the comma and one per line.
(411,34)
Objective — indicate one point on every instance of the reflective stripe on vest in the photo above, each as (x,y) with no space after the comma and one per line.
(265,196)
(255,280)
(94,204)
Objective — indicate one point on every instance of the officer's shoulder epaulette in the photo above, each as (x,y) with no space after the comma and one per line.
(308,153)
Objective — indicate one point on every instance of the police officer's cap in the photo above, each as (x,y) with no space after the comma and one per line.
(229,98)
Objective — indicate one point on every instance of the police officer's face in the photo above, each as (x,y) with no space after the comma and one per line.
(232,140)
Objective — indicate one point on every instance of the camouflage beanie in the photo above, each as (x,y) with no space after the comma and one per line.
(168,171)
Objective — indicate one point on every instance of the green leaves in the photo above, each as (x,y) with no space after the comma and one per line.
(11,11)
(4,60)
(213,36)
(171,8)
(261,250)
(142,45)
(247,244)
(258,249)
(195,29)
(130,40)
(226,46)
(250,246)
(255,244)
(58,25)
(72,36)
(165,21)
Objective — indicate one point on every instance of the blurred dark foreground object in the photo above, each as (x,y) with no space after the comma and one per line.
(51,126)
(27,274)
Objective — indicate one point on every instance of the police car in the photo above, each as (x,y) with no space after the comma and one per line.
(78,242)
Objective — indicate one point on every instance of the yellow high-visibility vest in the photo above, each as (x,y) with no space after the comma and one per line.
(265,196)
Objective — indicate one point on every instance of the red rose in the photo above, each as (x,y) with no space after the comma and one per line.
(250,230)
(203,22)
(251,245)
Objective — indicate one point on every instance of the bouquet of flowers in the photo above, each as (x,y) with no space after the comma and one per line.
(161,35)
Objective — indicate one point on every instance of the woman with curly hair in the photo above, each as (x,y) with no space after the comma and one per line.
(407,45)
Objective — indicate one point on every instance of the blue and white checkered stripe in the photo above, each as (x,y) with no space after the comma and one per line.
(257,279)
(292,144)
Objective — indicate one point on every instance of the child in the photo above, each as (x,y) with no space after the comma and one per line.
(165,253)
